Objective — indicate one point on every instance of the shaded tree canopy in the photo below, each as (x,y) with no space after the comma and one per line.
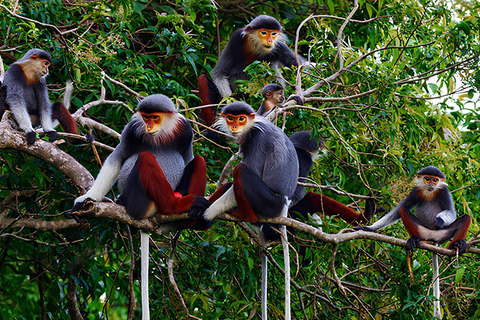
(392,87)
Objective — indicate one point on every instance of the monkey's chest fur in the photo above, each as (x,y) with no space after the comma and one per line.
(166,158)
(426,211)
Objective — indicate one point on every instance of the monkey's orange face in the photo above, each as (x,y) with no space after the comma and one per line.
(429,185)
(237,123)
(41,65)
(152,121)
(34,68)
(268,37)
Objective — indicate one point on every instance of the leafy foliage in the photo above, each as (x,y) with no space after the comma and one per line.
(374,110)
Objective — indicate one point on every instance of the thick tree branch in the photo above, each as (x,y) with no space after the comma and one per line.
(47,151)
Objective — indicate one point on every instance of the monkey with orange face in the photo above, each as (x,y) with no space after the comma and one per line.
(260,40)
(24,93)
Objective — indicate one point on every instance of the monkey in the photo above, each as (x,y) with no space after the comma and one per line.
(303,203)
(154,163)
(434,219)
(264,182)
(273,95)
(156,170)
(260,40)
(24,93)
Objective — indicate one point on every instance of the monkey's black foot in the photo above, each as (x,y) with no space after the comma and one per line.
(363,228)
(460,244)
(73,216)
(439,223)
(90,138)
(413,243)
(78,205)
(52,135)
(31,137)
(87,136)
(298,99)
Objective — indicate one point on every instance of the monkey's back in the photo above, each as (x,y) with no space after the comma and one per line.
(271,155)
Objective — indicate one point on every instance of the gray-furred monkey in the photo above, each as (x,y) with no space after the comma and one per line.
(260,40)
(263,183)
(24,93)
(434,217)
(27,92)
(156,169)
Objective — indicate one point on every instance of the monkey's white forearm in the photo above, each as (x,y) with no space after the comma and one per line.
(447,216)
(46,119)
(22,117)
(223,204)
(105,179)
(387,219)
(223,86)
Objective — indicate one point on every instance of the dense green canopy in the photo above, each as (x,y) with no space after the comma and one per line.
(394,88)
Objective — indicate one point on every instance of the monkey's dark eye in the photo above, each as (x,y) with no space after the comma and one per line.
(435,179)
(154,117)
(242,119)
(274,34)
(229,118)
(46,63)
(263,33)
(427,179)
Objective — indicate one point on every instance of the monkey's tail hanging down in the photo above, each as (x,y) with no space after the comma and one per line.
(437,313)
(144,245)
(286,261)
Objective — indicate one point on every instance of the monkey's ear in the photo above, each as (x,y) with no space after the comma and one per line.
(252,115)
(34,57)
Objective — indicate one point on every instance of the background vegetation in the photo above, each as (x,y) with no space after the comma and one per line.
(394,89)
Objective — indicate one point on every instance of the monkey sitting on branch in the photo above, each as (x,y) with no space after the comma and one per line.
(24,93)
(434,220)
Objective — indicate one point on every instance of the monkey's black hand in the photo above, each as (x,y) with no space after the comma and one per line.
(196,213)
(31,137)
(298,99)
(413,243)
(52,135)
(439,223)
(460,244)
(78,205)
(363,228)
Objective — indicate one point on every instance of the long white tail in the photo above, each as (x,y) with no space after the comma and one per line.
(437,313)
(264,282)
(286,261)
(144,243)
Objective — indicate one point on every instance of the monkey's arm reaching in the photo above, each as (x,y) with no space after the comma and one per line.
(409,202)
(223,204)
(287,56)
(105,179)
